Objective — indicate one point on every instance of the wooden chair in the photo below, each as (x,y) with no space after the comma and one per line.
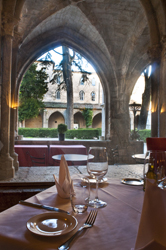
(37,161)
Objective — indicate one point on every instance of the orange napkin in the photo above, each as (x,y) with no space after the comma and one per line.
(65,183)
(152,228)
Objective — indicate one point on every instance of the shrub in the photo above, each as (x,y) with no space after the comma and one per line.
(38,132)
(89,133)
(62,128)
(144,134)
(140,134)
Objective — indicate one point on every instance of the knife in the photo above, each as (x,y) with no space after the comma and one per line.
(42,206)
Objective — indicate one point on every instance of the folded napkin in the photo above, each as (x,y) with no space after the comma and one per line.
(152,228)
(65,183)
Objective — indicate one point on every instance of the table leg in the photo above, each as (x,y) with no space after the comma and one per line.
(77,167)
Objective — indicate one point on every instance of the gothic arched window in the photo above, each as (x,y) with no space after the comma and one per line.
(58,80)
(81,81)
(93,96)
(58,95)
(93,82)
(82,94)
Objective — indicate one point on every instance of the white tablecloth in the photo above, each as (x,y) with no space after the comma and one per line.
(115,228)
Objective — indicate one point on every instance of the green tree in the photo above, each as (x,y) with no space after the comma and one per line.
(32,90)
(87,114)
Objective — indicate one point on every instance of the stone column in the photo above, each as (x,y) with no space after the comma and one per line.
(14,103)
(120,125)
(155,56)
(45,120)
(103,116)
(6,162)
(162,91)
(12,138)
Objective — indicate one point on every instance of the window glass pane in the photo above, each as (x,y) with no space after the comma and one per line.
(58,79)
(81,95)
(93,96)
(81,81)
(58,96)
(93,82)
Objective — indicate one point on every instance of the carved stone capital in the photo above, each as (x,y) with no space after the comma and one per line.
(8,24)
(154,53)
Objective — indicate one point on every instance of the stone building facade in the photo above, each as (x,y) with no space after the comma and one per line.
(85,95)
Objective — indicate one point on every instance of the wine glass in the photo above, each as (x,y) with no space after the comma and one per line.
(97,167)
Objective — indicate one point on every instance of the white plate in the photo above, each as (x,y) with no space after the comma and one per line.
(51,224)
(132,181)
(93,180)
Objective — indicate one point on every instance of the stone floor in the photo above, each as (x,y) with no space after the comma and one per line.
(45,174)
(29,181)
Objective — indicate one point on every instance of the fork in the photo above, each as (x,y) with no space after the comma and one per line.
(88,223)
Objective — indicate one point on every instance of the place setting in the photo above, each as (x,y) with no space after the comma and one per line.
(58,222)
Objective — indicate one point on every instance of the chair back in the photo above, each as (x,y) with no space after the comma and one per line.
(37,161)
(156,143)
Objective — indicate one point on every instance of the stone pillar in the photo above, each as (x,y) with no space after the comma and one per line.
(45,120)
(155,56)
(120,120)
(162,92)
(103,116)
(12,138)
(14,103)
(0,57)
(6,162)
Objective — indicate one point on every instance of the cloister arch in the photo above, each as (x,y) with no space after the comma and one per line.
(88,55)
(55,119)
(79,120)
(99,56)
(119,41)
(97,121)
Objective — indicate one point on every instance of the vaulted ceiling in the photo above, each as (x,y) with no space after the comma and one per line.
(114,35)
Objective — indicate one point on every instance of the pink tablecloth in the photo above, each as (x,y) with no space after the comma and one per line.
(115,228)
(65,149)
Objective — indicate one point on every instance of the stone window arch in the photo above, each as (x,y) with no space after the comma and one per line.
(82,95)
(58,80)
(93,95)
(81,81)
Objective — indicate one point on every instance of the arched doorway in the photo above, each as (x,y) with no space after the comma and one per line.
(55,119)
(97,121)
(79,121)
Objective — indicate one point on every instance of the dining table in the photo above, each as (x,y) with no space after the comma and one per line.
(74,159)
(115,227)
(139,158)
(65,149)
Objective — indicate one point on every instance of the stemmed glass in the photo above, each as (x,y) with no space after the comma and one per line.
(97,167)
